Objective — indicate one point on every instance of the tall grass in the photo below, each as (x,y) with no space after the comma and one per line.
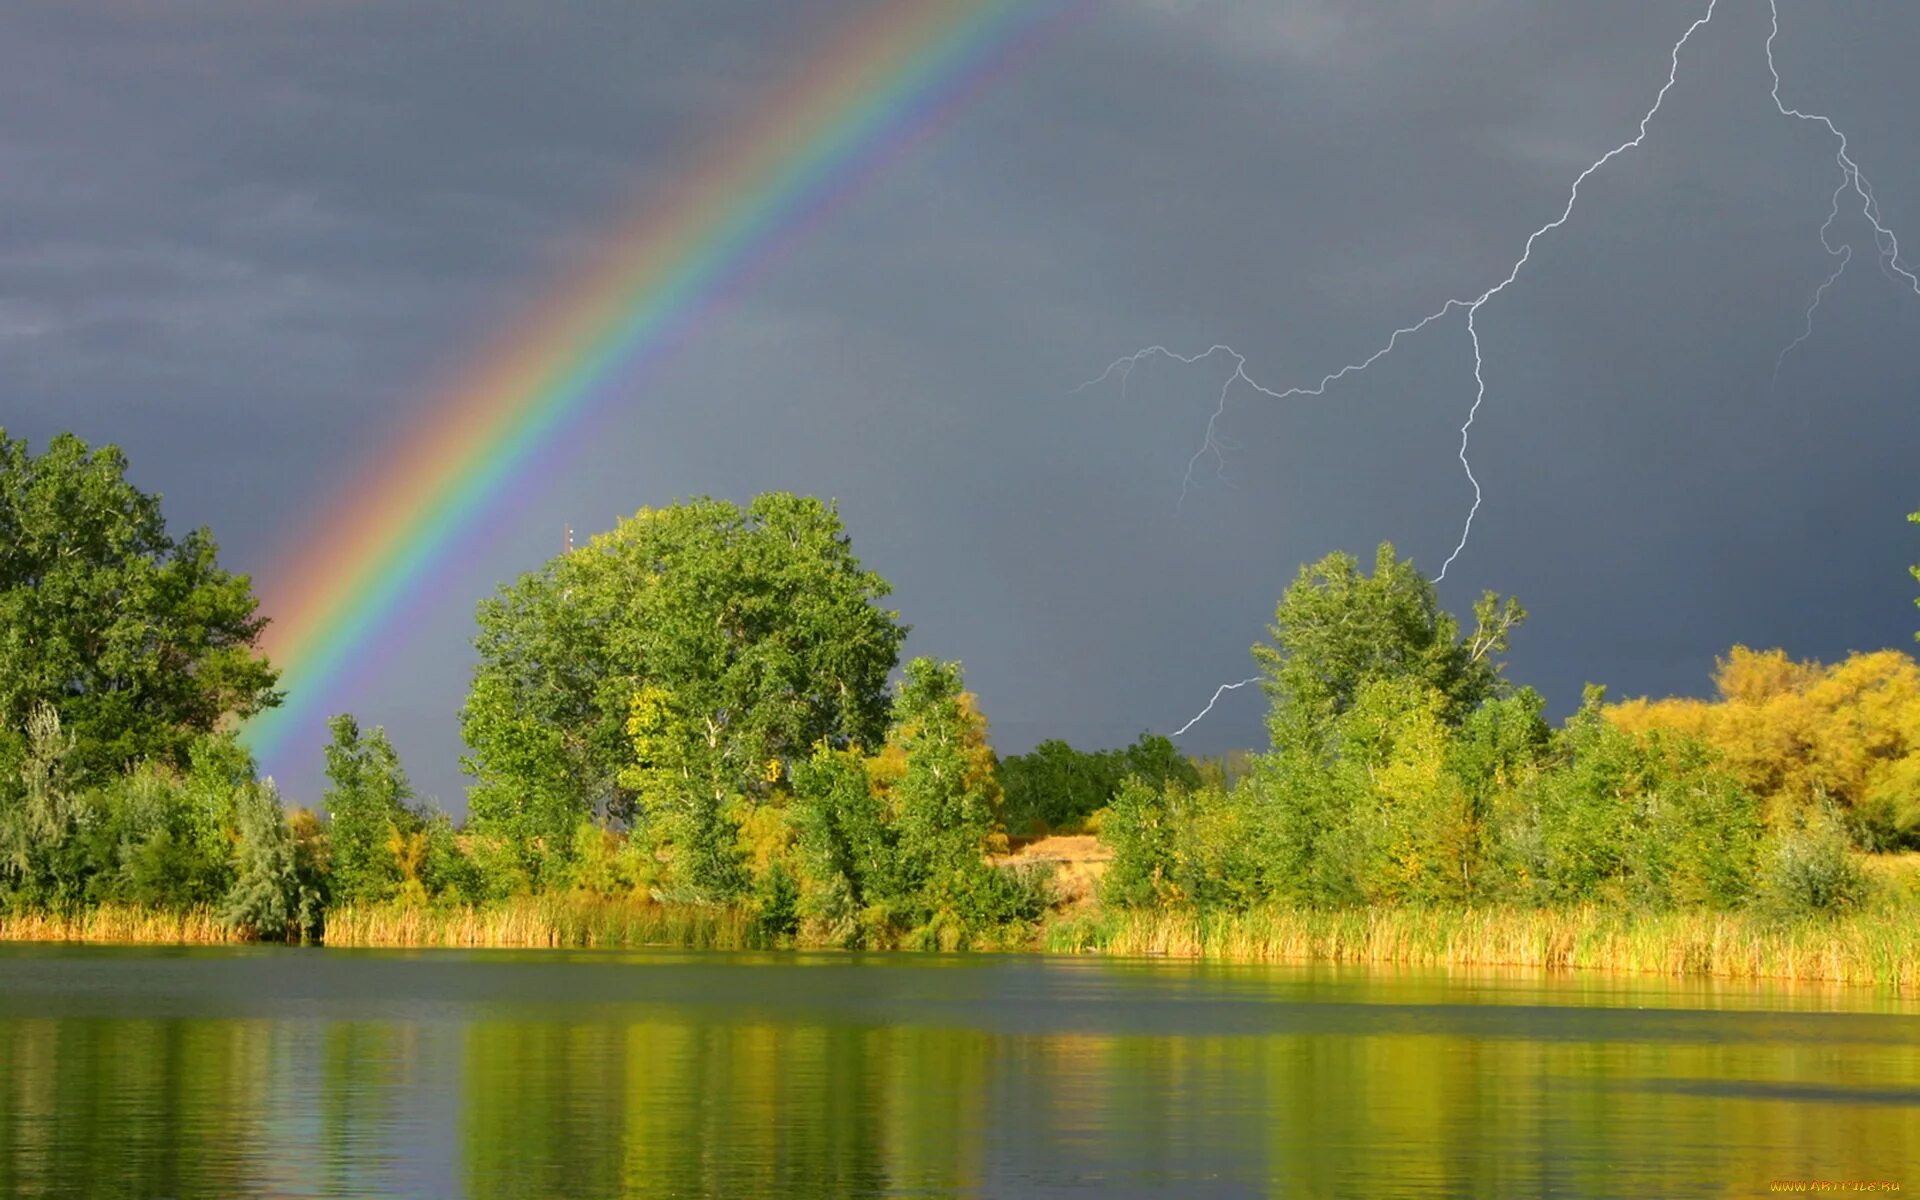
(552,920)
(119,923)
(1879,947)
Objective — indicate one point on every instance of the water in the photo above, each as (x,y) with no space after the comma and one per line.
(141,1072)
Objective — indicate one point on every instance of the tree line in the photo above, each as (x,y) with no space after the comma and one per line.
(705,706)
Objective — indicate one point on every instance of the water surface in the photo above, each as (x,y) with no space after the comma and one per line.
(307,1072)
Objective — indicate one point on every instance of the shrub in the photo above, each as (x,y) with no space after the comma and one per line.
(1137,830)
(1809,868)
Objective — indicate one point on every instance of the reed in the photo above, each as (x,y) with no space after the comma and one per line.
(568,921)
(1878,947)
(119,923)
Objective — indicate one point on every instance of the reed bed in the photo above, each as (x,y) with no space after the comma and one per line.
(120,923)
(561,921)
(1878,948)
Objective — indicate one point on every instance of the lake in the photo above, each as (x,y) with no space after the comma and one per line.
(145,1072)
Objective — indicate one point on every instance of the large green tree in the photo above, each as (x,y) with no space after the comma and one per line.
(1337,628)
(139,642)
(669,670)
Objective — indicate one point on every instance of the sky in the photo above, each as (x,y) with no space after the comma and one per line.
(246,242)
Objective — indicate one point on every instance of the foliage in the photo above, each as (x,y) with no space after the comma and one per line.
(371,830)
(897,845)
(1054,788)
(1802,736)
(142,644)
(209,838)
(1335,629)
(848,873)
(1405,771)
(270,896)
(1139,831)
(1650,820)
(941,800)
(1808,868)
(652,676)
(684,732)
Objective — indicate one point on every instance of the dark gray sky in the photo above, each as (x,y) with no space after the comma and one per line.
(246,241)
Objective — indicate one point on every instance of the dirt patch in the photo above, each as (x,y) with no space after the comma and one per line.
(1078,862)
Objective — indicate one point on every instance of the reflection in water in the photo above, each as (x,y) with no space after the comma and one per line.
(140,1073)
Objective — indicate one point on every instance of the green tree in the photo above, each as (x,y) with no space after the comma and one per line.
(1139,830)
(1654,819)
(1336,628)
(849,881)
(367,802)
(944,800)
(270,897)
(669,671)
(140,642)
(1054,787)
(37,817)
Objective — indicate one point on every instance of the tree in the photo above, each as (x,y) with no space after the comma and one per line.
(1335,629)
(271,896)
(367,811)
(1054,787)
(672,668)
(943,794)
(1652,818)
(1139,830)
(141,643)
(1802,735)
(36,819)
(849,877)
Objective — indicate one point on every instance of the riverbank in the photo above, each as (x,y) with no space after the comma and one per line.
(1879,947)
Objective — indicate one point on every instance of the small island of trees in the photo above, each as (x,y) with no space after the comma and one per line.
(696,730)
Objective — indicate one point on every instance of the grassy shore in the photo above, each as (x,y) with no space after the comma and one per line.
(119,923)
(1878,947)
(562,921)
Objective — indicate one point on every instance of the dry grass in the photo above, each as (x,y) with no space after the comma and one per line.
(554,921)
(1880,947)
(119,923)
(1077,861)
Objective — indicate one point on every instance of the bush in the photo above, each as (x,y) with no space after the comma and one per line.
(1809,868)
(1136,828)
(1695,837)
(449,873)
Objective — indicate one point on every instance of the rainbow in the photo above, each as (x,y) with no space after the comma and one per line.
(879,85)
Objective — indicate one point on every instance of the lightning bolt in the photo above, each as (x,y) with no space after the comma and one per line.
(1218,692)
(1851,178)
(1844,252)
(1123,366)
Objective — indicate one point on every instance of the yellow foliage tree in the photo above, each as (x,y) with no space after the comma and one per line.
(1799,734)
